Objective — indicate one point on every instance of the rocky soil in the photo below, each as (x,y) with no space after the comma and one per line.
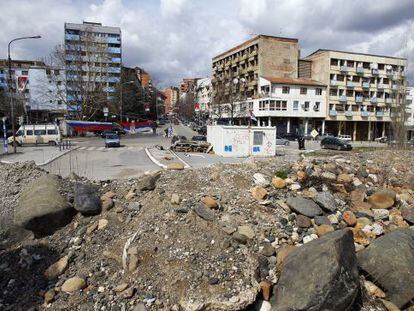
(323,233)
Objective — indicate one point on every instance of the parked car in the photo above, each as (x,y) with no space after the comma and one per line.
(112,140)
(199,138)
(202,130)
(282,141)
(37,134)
(335,143)
(345,137)
(289,136)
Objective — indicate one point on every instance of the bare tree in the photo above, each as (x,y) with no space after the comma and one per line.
(86,63)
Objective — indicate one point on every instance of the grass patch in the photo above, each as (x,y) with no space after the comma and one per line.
(282,174)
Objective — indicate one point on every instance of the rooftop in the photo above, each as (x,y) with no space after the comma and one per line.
(294,81)
(254,39)
(355,53)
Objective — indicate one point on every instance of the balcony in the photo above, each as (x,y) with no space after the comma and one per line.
(381,86)
(364,114)
(112,79)
(71,37)
(365,85)
(114,50)
(375,72)
(388,100)
(343,69)
(116,60)
(3,75)
(395,87)
(409,97)
(333,113)
(379,114)
(114,40)
(349,113)
(342,98)
(359,99)
(390,73)
(113,69)
(334,83)
(360,70)
(351,84)
(109,89)
(374,100)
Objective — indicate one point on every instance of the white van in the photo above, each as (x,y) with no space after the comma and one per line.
(37,134)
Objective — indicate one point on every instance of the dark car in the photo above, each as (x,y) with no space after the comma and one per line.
(335,143)
(199,138)
(202,130)
(289,136)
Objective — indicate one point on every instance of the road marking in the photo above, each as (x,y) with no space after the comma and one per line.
(91,148)
(82,148)
(101,148)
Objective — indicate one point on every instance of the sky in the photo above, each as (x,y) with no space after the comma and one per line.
(175,39)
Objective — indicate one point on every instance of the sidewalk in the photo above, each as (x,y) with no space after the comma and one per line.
(41,155)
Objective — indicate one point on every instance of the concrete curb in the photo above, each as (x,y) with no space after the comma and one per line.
(156,162)
(186,165)
(46,162)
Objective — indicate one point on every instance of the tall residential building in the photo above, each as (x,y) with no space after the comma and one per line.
(203,94)
(93,57)
(236,72)
(409,94)
(171,97)
(188,85)
(39,90)
(362,91)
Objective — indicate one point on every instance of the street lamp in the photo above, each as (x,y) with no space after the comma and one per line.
(121,90)
(10,85)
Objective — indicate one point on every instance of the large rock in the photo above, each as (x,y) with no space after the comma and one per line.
(41,208)
(383,198)
(149,182)
(320,275)
(326,200)
(87,200)
(204,212)
(73,284)
(390,261)
(304,206)
(175,166)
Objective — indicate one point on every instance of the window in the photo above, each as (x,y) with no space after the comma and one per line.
(40,132)
(262,105)
(258,138)
(48,71)
(295,105)
(285,90)
(51,132)
(306,106)
(317,106)
(318,91)
(25,72)
(303,91)
(29,133)
(340,77)
(272,105)
(333,92)
(334,62)
(56,72)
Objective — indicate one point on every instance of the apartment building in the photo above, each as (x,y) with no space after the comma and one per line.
(93,58)
(236,72)
(171,97)
(203,95)
(362,90)
(187,85)
(409,94)
(39,90)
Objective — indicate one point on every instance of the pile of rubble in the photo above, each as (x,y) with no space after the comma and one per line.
(318,234)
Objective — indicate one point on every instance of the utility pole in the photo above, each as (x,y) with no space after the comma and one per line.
(11,89)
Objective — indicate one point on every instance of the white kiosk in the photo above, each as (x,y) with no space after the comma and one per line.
(242,141)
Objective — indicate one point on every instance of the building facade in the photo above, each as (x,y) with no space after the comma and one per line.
(38,90)
(362,91)
(203,95)
(188,85)
(236,72)
(171,98)
(409,94)
(93,58)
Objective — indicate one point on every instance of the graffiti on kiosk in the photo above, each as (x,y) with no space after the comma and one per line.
(228,148)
